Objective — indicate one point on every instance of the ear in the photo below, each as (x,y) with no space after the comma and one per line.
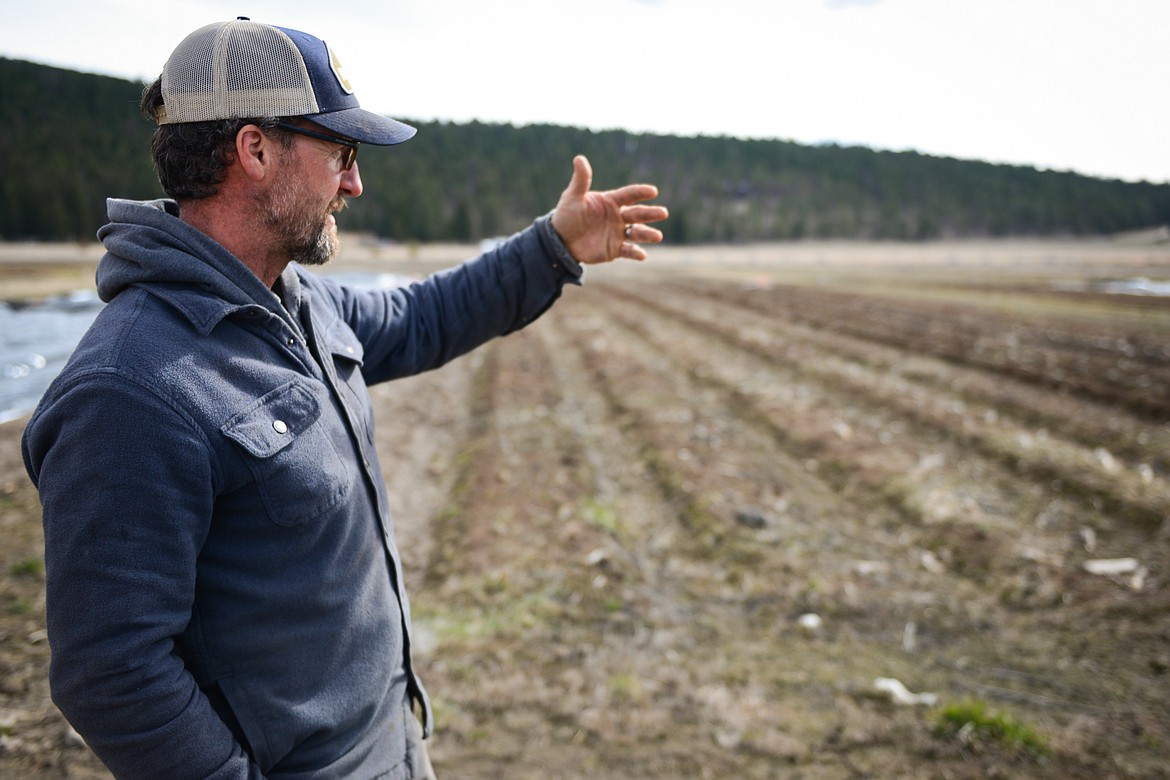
(255,152)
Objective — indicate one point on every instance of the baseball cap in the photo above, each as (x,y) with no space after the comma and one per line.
(244,69)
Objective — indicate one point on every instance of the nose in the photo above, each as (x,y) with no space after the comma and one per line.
(351,182)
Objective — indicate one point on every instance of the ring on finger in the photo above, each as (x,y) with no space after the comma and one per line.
(629,230)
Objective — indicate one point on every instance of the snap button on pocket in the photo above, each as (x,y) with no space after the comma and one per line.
(291,450)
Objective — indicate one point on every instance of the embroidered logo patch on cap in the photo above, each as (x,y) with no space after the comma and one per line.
(335,66)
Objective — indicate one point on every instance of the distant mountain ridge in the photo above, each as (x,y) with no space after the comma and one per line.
(72,139)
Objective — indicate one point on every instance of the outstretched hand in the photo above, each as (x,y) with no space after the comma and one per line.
(598,227)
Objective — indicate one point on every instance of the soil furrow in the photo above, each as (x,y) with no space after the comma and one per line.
(1086,422)
(801,563)
(1118,373)
(1096,475)
(977,554)
(560,633)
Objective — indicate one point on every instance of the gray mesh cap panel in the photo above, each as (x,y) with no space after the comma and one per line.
(238,69)
(249,70)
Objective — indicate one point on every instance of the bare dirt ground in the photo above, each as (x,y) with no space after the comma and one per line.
(683,524)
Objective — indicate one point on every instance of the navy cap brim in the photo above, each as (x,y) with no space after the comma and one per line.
(365,126)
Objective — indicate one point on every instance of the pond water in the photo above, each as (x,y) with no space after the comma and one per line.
(1139,285)
(35,341)
(37,338)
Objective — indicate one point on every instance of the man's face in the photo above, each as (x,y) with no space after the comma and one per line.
(310,184)
(300,214)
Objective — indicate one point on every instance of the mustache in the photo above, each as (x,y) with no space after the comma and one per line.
(339,204)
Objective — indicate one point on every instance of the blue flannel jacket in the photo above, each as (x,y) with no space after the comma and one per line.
(225,595)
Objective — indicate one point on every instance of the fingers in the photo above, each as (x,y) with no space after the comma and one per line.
(631,251)
(643,234)
(631,214)
(589,222)
(633,193)
(582,177)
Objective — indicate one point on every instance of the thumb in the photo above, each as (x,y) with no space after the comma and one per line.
(582,177)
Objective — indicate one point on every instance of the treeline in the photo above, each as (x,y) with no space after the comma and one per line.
(72,139)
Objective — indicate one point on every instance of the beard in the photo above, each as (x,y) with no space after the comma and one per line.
(302,229)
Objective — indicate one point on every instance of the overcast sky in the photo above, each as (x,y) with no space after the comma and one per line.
(1062,84)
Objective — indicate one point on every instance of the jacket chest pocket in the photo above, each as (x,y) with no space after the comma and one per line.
(290,451)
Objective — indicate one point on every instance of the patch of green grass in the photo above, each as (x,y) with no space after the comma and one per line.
(625,687)
(602,515)
(23,607)
(972,720)
(496,615)
(33,567)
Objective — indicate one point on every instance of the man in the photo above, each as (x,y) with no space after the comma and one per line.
(225,596)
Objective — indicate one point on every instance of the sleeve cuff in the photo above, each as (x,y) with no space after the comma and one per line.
(556,247)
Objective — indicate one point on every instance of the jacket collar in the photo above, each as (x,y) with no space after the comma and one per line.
(148,246)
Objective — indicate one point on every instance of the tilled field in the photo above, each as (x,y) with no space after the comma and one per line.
(682,525)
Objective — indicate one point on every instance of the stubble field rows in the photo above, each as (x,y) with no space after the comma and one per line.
(662,482)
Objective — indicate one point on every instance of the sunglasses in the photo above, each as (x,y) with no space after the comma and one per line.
(348,157)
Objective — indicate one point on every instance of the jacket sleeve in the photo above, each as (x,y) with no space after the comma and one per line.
(126,488)
(416,328)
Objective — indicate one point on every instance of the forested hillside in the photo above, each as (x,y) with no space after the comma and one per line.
(72,139)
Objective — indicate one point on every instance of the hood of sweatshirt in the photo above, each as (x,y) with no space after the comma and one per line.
(149,247)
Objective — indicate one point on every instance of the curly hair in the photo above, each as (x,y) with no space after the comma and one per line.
(191,159)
